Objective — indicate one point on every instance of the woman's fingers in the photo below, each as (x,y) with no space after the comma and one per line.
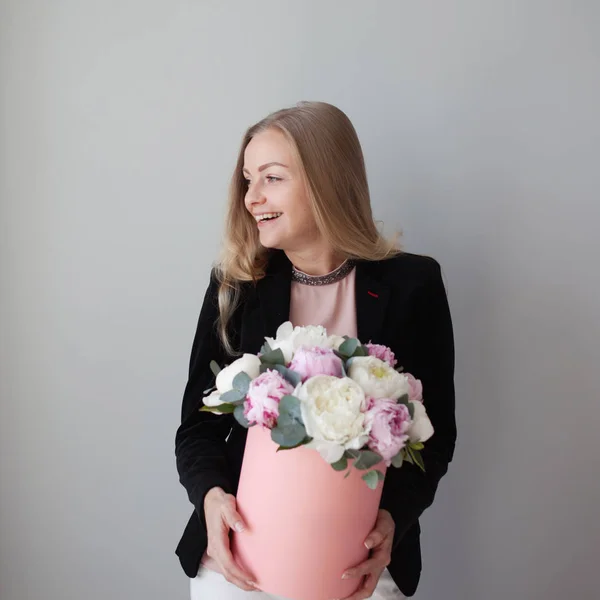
(231,515)
(232,572)
(221,516)
(367,589)
(364,568)
(383,527)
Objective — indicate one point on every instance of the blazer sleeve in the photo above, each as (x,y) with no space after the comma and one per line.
(200,439)
(408,491)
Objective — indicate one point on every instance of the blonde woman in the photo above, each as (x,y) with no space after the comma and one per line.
(301,244)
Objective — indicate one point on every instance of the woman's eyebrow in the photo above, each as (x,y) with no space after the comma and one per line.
(266,166)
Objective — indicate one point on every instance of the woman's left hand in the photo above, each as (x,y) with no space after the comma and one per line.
(379,541)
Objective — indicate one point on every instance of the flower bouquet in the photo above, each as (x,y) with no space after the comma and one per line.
(343,414)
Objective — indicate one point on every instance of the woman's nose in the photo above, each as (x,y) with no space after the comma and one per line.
(255,197)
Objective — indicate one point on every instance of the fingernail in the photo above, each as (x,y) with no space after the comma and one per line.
(252,584)
(238,526)
(368,544)
(345,576)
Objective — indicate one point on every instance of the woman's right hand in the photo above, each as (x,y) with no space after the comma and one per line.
(220,512)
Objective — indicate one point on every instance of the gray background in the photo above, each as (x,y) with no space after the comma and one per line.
(120,122)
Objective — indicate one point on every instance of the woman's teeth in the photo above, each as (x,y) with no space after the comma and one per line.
(267,217)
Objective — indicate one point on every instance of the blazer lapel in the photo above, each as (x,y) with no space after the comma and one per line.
(274,295)
(372,298)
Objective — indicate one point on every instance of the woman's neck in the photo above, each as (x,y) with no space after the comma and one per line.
(316,262)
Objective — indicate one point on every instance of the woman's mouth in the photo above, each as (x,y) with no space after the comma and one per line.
(266,218)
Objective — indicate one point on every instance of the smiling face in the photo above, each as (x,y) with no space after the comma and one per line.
(277,197)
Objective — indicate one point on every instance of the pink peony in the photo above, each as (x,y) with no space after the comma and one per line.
(388,424)
(416,388)
(262,401)
(382,353)
(308,362)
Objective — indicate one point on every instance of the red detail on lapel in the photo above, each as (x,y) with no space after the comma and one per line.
(373,294)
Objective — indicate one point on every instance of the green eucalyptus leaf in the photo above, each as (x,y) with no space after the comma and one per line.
(288,436)
(403,399)
(305,441)
(214,367)
(340,465)
(380,475)
(349,347)
(241,382)
(265,348)
(290,376)
(352,454)
(275,357)
(290,406)
(398,459)
(238,413)
(366,460)
(361,351)
(233,397)
(371,479)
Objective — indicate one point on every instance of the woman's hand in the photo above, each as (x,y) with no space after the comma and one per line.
(379,541)
(220,511)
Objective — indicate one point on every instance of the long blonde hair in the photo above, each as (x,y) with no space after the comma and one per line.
(331,159)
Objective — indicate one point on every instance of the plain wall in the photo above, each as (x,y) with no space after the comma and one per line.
(120,123)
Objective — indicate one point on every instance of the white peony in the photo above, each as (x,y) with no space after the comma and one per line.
(248,363)
(332,414)
(289,338)
(377,378)
(421,428)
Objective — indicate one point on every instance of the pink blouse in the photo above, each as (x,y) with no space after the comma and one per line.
(332,305)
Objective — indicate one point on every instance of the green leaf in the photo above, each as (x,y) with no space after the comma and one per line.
(371,479)
(403,399)
(214,367)
(290,408)
(349,347)
(398,459)
(380,475)
(361,351)
(417,458)
(265,348)
(275,357)
(340,465)
(417,446)
(288,436)
(241,382)
(233,397)
(238,413)
(306,440)
(352,454)
(366,460)
(290,376)
(222,408)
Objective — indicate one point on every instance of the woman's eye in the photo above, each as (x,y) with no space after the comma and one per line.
(272,178)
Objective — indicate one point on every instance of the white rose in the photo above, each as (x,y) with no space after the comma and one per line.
(377,378)
(249,363)
(421,429)
(289,338)
(332,414)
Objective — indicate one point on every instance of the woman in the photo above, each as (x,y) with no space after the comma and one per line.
(301,245)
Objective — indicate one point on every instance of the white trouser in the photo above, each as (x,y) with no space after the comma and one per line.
(209,585)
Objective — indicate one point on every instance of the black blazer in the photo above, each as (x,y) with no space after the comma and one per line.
(401,303)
